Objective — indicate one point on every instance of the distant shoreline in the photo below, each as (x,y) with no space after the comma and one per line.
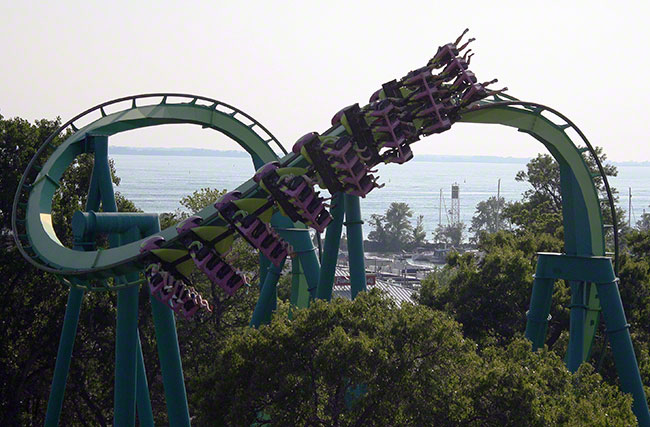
(204,152)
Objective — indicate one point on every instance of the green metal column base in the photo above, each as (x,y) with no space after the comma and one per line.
(264,268)
(355,245)
(331,249)
(63,357)
(125,356)
(618,331)
(538,313)
(599,270)
(575,353)
(298,237)
(143,400)
(268,297)
(299,287)
(170,364)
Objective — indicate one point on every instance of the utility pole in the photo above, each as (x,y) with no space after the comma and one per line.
(498,201)
(440,210)
(629,208)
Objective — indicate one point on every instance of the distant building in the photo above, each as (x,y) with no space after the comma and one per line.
(397,293)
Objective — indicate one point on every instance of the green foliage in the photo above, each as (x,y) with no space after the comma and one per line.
(643,224)
(489,295)
(518,387)
(451,234)
(19,141)
(191,203)
(489,216)
(393,231)
(540,210)
(409,363)
(369,362)
(34,303)
(419,235)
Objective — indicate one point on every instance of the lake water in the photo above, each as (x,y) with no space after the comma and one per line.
(157,183)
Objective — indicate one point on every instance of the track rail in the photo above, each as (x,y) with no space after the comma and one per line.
(130,260)
(539,108)
(50,145)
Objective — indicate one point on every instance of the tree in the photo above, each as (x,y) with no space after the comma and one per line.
(34,303)
(19,141)
(419,235)
(361,362)
(33,306)
(452,234)
(540,211)
(393,231)
(489,216)
(644,223)
(369,362)
(519,387)
(489,295)
(379,233)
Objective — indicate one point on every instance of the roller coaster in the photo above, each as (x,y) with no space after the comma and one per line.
(274,210)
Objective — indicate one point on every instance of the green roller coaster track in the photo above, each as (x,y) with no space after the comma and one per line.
(584,230)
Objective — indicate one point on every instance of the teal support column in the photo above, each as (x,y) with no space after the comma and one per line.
(264,268)
(268,297)
(355,245)
(299,292)
(101,174)
(599,270)
(63,357)
(310,267)
(125,356)
(170,364)
(163,317)
(143,400)
(575,354)
(130,375)
(540,308)
(331,248)
(302,245)
(100,191)
(621,343)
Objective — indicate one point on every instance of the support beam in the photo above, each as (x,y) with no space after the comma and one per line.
(170,364)
(575,354)
(267,301)
(298,237)
(331,249)
(143,400)
(99,192)
(126,342)
(353,224)
(539,311)
(169,355)
(299,292)
(264,268)
(618,331)
(597,270)
(63,357)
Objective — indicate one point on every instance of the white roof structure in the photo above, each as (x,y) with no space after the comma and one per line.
(397,293)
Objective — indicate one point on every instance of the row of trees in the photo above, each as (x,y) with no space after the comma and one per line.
(393,231)
(455,357)
(539,211)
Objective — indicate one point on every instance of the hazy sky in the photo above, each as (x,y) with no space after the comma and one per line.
(293,65)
